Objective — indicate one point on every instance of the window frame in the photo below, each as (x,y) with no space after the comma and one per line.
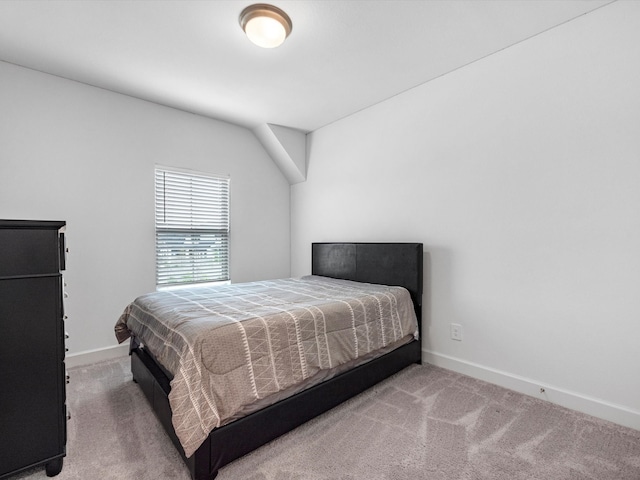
(191,218)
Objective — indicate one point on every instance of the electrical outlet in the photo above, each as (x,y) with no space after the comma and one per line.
(456,332)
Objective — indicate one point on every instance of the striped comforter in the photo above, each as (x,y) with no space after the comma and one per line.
(229,346)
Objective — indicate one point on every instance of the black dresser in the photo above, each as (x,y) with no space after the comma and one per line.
(32,346)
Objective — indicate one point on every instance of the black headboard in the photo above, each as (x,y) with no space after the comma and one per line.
(397,264)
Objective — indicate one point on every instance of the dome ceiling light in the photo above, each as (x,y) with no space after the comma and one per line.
(265,25)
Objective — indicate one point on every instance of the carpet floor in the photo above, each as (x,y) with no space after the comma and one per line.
(423,423)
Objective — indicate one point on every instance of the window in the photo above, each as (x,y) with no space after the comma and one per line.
(192,227)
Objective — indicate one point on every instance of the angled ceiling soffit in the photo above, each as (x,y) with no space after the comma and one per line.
(287,147)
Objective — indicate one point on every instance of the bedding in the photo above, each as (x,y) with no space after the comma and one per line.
(228,347)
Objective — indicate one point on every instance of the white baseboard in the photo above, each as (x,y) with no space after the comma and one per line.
(97,355)
(592,406)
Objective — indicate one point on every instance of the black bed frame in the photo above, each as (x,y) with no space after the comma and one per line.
(381,263)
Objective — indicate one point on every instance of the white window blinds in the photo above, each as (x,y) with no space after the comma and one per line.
(192,227)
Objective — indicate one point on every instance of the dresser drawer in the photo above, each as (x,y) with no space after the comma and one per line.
(33,252)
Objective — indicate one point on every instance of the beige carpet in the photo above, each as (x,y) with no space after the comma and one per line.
(424,423)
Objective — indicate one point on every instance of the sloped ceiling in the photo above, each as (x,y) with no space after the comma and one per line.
(341,57)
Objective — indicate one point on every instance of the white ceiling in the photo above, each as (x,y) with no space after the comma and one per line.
(341,57)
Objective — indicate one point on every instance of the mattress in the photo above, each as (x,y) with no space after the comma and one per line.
(233,346)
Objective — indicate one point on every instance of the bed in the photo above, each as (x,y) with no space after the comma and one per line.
(236,432)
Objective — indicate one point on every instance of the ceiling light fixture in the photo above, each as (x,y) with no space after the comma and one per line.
(265,25)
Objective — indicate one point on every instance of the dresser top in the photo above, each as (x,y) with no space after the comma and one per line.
(55,225)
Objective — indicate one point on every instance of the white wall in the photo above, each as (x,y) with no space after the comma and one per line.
(73,152)
(521,175)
